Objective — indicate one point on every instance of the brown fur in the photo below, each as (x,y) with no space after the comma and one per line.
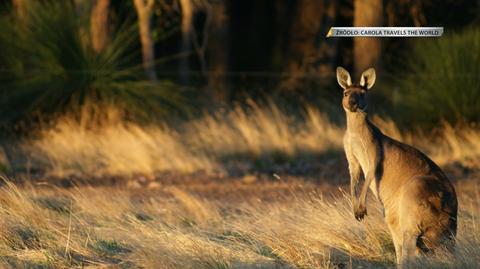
(419,202)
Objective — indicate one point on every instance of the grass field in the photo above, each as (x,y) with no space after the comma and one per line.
(245,139)
(284,224)
(249,188)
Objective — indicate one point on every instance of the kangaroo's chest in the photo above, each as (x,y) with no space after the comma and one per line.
(364,152)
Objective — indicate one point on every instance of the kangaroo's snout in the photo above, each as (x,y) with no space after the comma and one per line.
(352,104)
(354,99)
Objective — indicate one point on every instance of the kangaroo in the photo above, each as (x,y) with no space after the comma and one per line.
(419,202)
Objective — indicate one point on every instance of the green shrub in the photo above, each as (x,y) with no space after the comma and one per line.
(48,67)
(442,80)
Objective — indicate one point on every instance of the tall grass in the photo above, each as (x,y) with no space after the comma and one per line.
(442,81)
(98,227)
(253,138)
(116,147)
(263,132)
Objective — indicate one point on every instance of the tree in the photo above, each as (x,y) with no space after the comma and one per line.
(99,24)
(217,50)
(209,42)
(19,7)
(187,7)
(367,50)
(303,44)
(144,10)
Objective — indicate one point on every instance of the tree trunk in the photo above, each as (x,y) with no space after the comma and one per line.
(302,49)
(186,42)
(99,24)
(144,11)
(19,8)
(187,15)
(367,50)
(217,51)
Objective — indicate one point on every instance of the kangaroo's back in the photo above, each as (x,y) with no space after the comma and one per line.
(413,181)
(401,162)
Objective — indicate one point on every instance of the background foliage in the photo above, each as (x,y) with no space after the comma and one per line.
(442,79)
(209,55)
(50,68)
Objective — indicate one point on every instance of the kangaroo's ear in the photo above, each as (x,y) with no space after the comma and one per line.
(343,77)
(368,78)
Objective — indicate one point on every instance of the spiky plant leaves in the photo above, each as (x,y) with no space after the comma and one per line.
(49,68)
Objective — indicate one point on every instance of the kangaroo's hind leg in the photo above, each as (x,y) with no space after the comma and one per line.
(410,219)
(409,249)
(397,237)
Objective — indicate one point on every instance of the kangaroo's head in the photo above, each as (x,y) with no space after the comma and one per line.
(355,95)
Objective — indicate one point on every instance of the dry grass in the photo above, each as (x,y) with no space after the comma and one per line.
(254,224)
(444,145)
(176,229)
(252,134)
(118,148)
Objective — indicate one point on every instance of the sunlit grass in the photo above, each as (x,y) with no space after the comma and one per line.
(256,136)
(170,226)
(177,229)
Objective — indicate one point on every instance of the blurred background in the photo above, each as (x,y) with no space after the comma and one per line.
(174,64)
(209,133)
